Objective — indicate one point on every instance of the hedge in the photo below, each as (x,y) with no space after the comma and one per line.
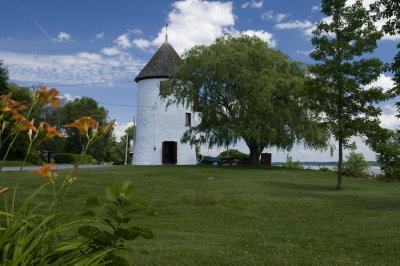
(73,158)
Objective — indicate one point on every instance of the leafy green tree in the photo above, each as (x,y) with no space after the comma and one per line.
(337,82)
(356,166)
(390,11)
(119,148)
(292,164)
(3,78)
(71,111)
(245,91)
(388,156)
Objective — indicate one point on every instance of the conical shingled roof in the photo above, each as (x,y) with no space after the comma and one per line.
(161,65)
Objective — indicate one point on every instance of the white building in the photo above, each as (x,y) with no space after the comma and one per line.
(159,130)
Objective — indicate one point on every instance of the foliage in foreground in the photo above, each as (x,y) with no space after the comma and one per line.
(38,235)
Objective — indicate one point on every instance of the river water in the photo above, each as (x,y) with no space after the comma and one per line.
(373,170)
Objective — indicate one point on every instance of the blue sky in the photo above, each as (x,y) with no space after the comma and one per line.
(95,48)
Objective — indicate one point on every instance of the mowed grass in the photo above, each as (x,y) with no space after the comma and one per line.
(250,216)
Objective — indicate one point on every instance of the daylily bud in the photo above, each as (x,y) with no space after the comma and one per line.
(4,190)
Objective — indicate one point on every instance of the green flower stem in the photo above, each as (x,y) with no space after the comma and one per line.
(19,176)
(15,137)
(70,175)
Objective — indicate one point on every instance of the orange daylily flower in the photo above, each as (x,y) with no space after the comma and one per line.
(25,125)
(18,117)
(50,131)
(8,105)
(45,171)
(4,190)
(83,124)
(45,97)
(104,130)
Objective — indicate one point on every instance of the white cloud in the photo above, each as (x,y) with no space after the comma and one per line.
(111,51)
(316,8)
(269,15)
(253,4)
(135,31)
(383,81)
(280,17)
(70,69)
(388,118)
(141,43)
(305,26)
(295,24)
(263,35)
(62,37)
(123,41)
(304,52)
(245,5)
(198,22)
(119,129)
(100,36)
(69,98)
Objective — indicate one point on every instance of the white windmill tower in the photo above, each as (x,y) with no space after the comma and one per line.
(158,130)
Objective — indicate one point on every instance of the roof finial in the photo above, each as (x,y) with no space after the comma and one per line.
(166,33)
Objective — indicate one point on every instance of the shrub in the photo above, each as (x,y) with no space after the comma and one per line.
(290,164)
(233,153)
(64,157)
(389,157)
(35,159)
(356,166)
(74,158)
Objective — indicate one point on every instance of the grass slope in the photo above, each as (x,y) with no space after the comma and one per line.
(252,216)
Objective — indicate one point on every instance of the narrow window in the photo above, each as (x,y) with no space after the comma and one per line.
(188,120)
(163,85)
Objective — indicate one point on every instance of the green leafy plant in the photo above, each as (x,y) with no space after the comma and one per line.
(356,166)
(389,157)
(36,235)
(233,153)
(74,158)
(108,232)
(290,164)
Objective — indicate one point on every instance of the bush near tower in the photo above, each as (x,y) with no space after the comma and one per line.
(246,91)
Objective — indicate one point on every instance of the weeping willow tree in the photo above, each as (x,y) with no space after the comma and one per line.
(243,90)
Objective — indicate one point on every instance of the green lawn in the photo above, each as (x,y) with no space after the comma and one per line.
(251,216)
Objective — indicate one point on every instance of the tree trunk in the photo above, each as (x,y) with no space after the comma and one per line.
(340,166)
(254,158)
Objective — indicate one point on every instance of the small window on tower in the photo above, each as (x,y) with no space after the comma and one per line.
(188,120)
(163,85)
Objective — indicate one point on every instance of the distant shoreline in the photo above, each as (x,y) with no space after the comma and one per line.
(371,163)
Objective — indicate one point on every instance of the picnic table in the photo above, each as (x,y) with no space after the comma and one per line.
(233,161)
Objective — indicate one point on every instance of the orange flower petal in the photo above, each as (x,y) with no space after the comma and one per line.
(4,190)
(83,124)
(44,171)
